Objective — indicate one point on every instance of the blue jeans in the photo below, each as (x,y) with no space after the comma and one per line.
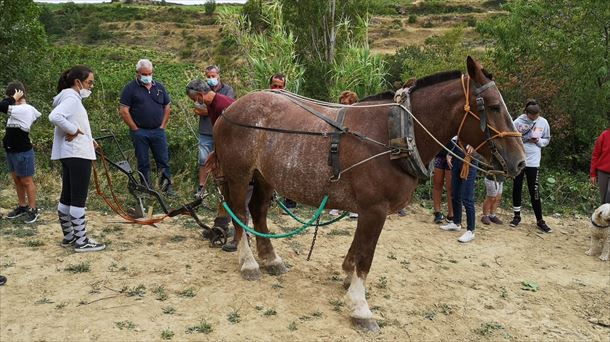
(155,140)
(462,192)
(21,163)
(206,146)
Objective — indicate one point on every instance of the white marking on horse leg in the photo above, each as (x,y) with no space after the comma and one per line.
(356,293)
(246,258)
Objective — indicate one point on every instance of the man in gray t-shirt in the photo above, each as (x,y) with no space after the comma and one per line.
(206,141)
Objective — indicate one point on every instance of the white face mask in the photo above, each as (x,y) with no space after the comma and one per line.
(84,93)
(200,105)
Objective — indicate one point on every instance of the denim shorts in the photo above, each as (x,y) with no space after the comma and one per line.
(22,163)
(206,146)
(441,163)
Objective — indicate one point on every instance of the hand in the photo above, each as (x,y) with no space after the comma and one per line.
(533,140)
(18,94)
(200,111)
(469,149)
(70,137)
(593,180)
(449,161)
(96,145)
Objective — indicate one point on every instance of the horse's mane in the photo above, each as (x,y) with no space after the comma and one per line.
(386,95)
(435,78)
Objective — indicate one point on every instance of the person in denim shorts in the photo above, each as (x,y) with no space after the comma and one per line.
(442,176)
(19,151)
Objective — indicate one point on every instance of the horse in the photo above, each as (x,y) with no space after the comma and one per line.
(270,138)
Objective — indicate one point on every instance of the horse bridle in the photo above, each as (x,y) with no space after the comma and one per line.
(485,127)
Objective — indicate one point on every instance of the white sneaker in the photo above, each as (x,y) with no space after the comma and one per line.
(450,226)
(353,215)
(335,212)
(466,237)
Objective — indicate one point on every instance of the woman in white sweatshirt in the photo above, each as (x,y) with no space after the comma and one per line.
(536,134)
(73,146)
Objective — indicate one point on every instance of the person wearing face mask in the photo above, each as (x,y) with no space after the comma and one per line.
(73,146)
(201,93)
(536,134)
(212,74)
(277,81)
(206,141)
(145,108)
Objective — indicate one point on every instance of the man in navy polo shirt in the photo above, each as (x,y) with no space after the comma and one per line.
(145,108)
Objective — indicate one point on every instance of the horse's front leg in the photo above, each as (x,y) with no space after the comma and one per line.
(357,264)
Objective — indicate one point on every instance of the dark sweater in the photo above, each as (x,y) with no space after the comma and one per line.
(15,140)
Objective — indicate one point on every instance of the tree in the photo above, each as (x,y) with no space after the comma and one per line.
(22,38)
(210,7)
(559,52)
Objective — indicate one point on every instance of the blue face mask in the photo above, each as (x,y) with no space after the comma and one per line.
(146,79)
(212,82)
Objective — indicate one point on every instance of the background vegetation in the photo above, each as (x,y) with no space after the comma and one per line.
(555,51)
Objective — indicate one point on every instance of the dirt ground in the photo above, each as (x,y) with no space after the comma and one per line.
(166,282)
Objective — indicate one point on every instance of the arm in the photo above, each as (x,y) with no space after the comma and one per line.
(167,109)
(9,101)
(545,139)
(124,111)
(597,152)
(58,117)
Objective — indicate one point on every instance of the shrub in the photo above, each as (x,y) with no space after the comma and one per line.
(412,19)
(210,6)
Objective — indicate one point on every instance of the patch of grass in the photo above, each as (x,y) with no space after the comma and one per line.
(339,232)
(292,326)
(277,286)
(138,291)
(392,256)
(446,309)
(169,310)
(160,292)
(234,317)
(259,307)
(188,293)
(202,328)
(79,268)
(429,314)
(530,286)
(177,238)
(405,264)
(388,322)
(337,304)
(21,232)
(317,314)
(34,243)
(382,283)
(270,312)
(129,325)
(488,328)
(503,293)
(484,264)
(44,300)
(167,334)
(112,229)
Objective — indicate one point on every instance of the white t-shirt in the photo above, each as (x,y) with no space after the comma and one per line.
(22,116)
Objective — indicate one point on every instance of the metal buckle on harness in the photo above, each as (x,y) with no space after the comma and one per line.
(334,148)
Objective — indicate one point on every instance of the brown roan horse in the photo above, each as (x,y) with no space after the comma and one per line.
(296,165)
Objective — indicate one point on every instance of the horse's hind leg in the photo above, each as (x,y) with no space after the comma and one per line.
(357,264)
(237,199)
(259,207)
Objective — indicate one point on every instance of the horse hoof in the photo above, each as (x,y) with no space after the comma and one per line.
(277,269)
(366,324)
(254,274)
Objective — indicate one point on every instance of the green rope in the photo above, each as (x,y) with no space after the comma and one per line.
(278,236)
(302,221)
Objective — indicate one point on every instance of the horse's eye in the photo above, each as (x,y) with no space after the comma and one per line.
(494,108)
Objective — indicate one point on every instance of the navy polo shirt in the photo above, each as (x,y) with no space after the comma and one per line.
(146,106)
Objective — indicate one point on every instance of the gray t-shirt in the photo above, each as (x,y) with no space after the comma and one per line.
(205,124)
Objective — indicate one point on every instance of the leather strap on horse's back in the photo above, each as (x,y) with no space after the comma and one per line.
(335,138)
(402,138)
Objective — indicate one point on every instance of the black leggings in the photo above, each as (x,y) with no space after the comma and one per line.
(75,176)
(532,185)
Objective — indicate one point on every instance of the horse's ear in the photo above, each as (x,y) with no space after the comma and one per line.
(472,67)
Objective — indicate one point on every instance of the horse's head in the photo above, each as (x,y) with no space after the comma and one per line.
(487,125)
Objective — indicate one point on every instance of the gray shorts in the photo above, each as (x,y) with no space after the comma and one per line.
(493,188)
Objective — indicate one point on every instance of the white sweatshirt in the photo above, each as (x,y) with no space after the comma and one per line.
(68,116)
(22,116)
(533,129)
